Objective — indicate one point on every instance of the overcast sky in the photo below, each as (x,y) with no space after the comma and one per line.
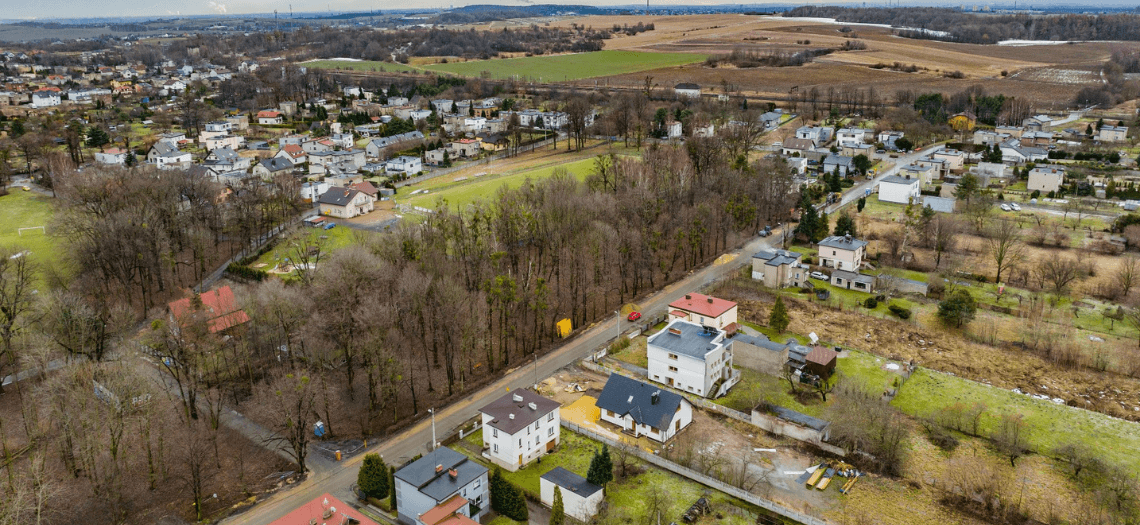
(21,9)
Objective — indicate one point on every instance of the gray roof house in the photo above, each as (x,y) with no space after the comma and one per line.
(437,477)
(844,163)
(643,409)
(269,168)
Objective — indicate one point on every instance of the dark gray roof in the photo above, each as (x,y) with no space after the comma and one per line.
(503,408)
(839,160)
(276,164)
(623,395)
(338,196)
(439,485)
(805,420)
(692,340)
(571,481)
(842,242)
(778,257)
(225,154)
(687,85)
(759,341)
(166,148)
(895,179)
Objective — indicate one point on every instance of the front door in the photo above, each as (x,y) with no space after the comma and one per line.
(669,380)
(550,445)
(520,459)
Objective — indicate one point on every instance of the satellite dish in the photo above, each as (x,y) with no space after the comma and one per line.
(814,338)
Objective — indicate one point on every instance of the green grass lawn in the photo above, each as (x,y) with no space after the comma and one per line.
(460,194)
(568,67)
(363,65)
(333,239)
(629,495)
(1049,424)
(21,209)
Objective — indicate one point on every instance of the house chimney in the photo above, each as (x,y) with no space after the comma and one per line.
(532,406)
(848,237)
(675,331)
(512,416)
(688,296)
(654,397)
(453,473)
(710,300)
(438,469)
(517,398)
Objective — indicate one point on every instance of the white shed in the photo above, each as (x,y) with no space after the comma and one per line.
(580,498)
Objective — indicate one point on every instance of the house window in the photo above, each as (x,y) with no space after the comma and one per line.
(520,443)
(496,448)
(550,416)
(494,432)
(672,369)
(478,483)
(536,425)
(550,431)
(673,356)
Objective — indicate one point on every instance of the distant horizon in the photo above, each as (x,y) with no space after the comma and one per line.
(50,10)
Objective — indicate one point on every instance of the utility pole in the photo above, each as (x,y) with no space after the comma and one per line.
(432,412)
(536,370)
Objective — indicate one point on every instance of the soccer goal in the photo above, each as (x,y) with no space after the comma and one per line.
(20,231)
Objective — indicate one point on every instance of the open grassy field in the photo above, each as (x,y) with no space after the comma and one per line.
(568,67)
(1050,424)
(360,65)
(460,194)
(21,209)
(329,240)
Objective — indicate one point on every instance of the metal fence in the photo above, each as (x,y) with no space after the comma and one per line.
(707,481)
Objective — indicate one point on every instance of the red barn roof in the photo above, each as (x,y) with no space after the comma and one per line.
(703,305)
(219,306)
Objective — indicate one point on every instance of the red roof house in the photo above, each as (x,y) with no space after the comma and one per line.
(821,361)
(218,306)
(704,310)
(324,510)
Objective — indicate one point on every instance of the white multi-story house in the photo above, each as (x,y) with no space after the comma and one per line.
(404,164)
(444,483)
(642,409)
(851,136)
(1046,179)
(112,156)
(519,427)
(842,252)
(900,190)
(704,310)
(45,99)
(692,358)
(166,156)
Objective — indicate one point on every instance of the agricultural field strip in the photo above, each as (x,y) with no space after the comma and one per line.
(569,67)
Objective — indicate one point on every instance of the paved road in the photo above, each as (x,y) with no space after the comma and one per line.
(415,440)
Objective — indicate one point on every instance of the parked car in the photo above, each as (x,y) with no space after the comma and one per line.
(765,232)
(1015,206)
(1005,207)
(633,316)
(819,275)
(330,226)
(880,151)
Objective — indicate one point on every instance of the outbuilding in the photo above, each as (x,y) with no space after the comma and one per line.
(580,498)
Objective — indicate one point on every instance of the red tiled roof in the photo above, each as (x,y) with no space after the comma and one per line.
(294,150)
(458,519)
(701,305)
(219,305)
(268,114)
(315,510)
(678,313)
(444,510)
(366,187)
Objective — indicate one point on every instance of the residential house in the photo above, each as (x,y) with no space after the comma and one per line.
(779,268)
(642,409)
(580,498)
(293,153)
(378,147)
(705,310)
(465,148)
(519,427)
(816,134)
(854,150)
(888,138)
(692,358)
(269,169)
(404,164)
(844,164)
(941,167)
(1012,152)
(288,107)
(820,362)
(924,174)
(1112,134)
(269,117)
(217,308)
(46,98)
(112,156)
(226,159)
(853,281)
(442,105)
(797,146)
(438,156)
(493,142)
(989,172)
(798,165)
(223,141)
(673,130)
(325,510)
(900,190)
(318,145)
(954,160)
(218,126)
(687,90)
(1046,179)
(166,156)
(436,478)
(771,119)
(1037,123)
(842,252)
(757,352)
(345,203)
(238,122)
(286,140)
(343,140)
(173,85)
(851,136)
(1041,139)
(311,191)
(984,137)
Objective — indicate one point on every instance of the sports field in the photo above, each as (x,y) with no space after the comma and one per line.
(460,194)
(569,67)
(359,65)
(20,209)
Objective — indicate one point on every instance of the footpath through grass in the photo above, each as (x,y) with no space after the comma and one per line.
(1049,424)
(568,67)
(20,209)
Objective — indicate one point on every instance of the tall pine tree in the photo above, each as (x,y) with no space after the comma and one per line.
(601,468)
(557,512)
(779,319)
(373,477)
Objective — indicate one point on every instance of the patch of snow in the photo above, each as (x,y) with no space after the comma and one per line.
(763,450)
(1095,339)
(892,366)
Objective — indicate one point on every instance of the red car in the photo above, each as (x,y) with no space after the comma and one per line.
(633,316)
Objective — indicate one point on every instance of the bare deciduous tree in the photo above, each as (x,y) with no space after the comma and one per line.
(1005,247)
(16,279)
